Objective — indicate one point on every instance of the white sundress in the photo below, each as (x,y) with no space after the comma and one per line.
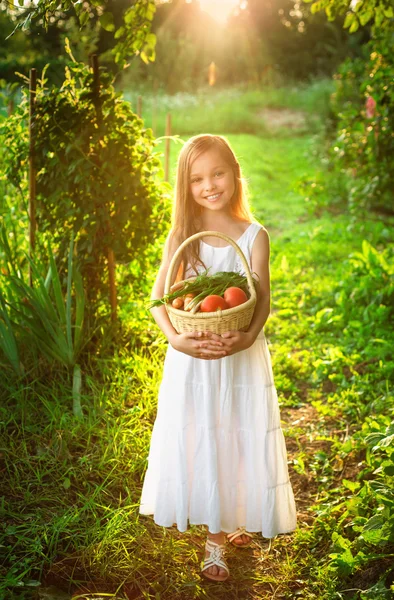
(217,454)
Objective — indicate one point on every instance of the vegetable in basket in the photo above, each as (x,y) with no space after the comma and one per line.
(219,284)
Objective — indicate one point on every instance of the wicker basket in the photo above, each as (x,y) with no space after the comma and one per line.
(237,318)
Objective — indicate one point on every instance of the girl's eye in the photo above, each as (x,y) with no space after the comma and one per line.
(198,178)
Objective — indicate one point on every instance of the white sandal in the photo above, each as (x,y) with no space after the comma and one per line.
(240,531)
(216,557)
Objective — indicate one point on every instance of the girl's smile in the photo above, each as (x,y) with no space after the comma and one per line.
(212,180)
(214,197)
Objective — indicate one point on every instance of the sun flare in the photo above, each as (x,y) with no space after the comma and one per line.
(218,9)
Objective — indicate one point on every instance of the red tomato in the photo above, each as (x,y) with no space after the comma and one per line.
(212,303)
(234,296)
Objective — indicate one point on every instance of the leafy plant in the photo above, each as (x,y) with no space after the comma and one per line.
(134,37)
(203,285)
(359,13)
(53,326)
(364,141)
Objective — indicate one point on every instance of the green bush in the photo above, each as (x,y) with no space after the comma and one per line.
(96,172)
(364,142)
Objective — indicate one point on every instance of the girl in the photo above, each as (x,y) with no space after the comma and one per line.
(217,455)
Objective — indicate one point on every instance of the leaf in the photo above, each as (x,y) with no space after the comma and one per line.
(340,541)
(365,16)
(351,485)
(57,287)
(389,470)
(316,6)
(83,18)
(68,297)
(119,32)
(374,523)
(387,441)
(284,265)
(79,310)
(354,26)
(32,583)
(107,21)
(7,338)
(349,19)
(66,483)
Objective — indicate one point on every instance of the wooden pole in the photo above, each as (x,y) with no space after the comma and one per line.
(10,106)
(96,88)
(112,283)
(139,106)
(110,252)
(167,150)
(154,109)
(32,171)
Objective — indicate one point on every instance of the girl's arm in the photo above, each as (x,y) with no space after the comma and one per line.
(260,266)
(193,343)
(159,313)
(235,341)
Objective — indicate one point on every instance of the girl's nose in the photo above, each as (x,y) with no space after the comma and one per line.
(210,186)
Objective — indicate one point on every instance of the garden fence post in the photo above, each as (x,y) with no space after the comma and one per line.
(32,173)
(154,109)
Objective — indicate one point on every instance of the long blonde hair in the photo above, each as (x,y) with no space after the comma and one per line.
(186,212)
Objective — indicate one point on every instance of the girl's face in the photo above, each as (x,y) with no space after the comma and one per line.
(212,182)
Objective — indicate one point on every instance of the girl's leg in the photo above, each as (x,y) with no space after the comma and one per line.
(219,538)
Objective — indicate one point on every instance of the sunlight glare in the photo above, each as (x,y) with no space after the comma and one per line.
(218,9)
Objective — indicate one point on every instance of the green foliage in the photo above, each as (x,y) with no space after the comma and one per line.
(44,320)
(357,171)
(380,14)
(364,143)
(96,172)
(358,364)
(133,36)
(364,304)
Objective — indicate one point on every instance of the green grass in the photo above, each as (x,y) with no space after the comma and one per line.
(69,513)
(234,110)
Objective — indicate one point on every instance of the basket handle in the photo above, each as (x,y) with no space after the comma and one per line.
(176,259)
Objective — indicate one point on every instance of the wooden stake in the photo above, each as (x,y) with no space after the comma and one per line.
(154,109)
(96,87)
(10,106)
(167,150)
(112,283)
(32,171)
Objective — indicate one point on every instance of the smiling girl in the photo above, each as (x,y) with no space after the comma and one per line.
(217,455)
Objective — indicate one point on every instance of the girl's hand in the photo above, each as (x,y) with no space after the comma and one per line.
(236,341)
(199,345)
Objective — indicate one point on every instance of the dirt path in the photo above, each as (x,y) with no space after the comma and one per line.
(279,118)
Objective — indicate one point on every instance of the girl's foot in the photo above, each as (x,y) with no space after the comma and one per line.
(240,538)
(215,565)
